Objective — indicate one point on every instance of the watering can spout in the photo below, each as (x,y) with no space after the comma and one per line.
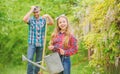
(36,64)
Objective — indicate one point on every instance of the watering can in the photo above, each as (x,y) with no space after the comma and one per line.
(52,61)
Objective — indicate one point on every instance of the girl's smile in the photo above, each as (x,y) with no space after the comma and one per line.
(62,23)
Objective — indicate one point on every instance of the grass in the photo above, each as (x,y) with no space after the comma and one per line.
(11,69)
(21,69)
(79,66)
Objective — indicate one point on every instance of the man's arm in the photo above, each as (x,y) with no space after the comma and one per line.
(27,16)
(49,19)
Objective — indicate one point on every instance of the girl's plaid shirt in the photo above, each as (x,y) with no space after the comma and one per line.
(72,44)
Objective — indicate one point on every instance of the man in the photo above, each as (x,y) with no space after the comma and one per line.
(36,35)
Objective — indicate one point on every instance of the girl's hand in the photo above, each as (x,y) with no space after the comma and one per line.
(51,47)
(62,52)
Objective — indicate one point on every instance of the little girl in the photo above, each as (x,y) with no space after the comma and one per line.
(64,43)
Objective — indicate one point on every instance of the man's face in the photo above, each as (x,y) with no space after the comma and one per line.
(36,14)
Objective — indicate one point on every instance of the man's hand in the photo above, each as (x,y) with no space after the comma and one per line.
(32,8)
(45,16)
(48,18)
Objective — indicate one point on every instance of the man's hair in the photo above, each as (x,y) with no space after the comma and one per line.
(36,9)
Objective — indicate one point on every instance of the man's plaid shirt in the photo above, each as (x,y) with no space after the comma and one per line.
(36,30)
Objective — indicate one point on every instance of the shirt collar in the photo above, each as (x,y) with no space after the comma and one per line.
(38,19)
(61,33)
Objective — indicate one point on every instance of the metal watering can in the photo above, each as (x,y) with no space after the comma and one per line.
(53,63)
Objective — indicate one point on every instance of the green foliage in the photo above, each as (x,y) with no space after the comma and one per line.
(98,28)
(14,32)
(95,23)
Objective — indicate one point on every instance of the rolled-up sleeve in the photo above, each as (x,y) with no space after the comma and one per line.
(56,48)
(29,21)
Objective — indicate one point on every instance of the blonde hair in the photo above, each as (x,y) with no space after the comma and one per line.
(57,30)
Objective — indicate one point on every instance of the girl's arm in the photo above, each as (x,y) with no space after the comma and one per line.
(70,51)
(73,47)
(53,48)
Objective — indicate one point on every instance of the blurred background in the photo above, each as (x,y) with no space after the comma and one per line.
(95,23)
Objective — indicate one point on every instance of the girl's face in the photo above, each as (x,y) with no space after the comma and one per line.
(62,23)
